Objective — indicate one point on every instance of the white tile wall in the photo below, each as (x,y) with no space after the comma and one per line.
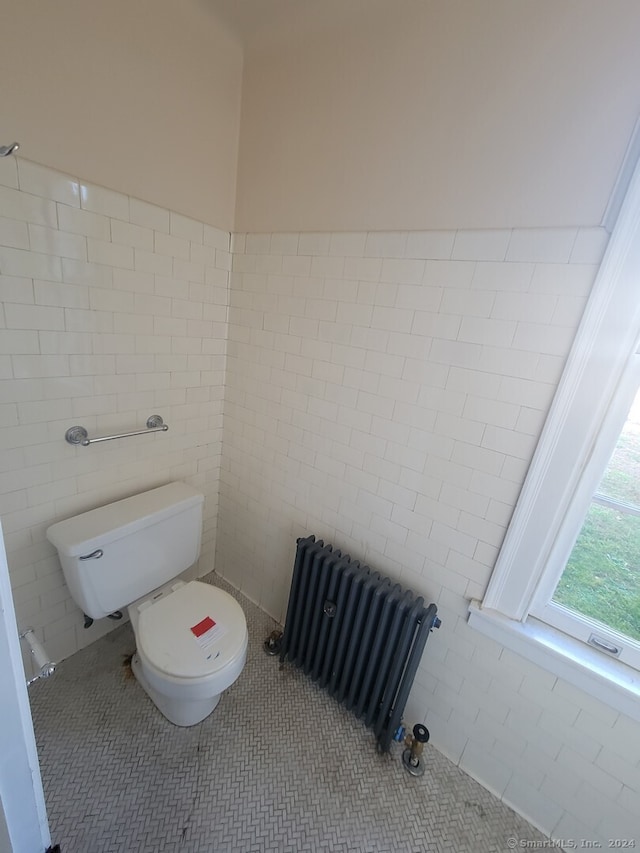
(112,310)
(385,392)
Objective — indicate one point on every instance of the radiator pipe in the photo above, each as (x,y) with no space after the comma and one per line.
(273,643)
(412,756)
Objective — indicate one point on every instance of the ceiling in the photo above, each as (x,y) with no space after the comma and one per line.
(261,21)
(248,17)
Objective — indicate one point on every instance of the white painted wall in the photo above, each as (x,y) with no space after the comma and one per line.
(141,97)
(112,310)
(431,114)
(385,391)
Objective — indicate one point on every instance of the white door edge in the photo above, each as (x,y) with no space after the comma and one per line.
(20,781)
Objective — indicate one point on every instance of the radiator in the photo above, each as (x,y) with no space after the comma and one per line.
(356,633)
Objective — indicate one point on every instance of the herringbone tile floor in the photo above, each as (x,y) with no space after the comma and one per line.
(279,766)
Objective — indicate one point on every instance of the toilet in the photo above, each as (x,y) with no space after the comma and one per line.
(191,637)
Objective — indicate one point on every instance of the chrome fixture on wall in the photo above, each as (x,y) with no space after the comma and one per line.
(5,150)
(79,435)
(43,664)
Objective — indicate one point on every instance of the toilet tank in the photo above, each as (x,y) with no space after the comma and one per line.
(117,553)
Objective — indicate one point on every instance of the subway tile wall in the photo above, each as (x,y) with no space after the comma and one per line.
(112,310)
(386,392)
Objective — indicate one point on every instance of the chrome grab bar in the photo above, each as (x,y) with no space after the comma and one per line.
(79,435)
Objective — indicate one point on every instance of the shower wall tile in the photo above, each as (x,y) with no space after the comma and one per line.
(109,254)
(54,242)
(149,215)
(174,247)
(14,234)
(102,324)
(183,226)
(83,222)
(16,289)
(132,235)
(481,245)
(104,201)
(9,172)
(389,361)
(45,183)
(26,207)
(220,240)
(20,262)
(542,244)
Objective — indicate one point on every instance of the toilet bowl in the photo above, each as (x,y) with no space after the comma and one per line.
(191,646)
(191,637)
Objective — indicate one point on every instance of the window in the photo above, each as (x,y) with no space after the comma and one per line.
(585,467)
(591,589)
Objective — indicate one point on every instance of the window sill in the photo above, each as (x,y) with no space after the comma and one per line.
(606,679)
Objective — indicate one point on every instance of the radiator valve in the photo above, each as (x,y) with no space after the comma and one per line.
(412,756)
(273,642)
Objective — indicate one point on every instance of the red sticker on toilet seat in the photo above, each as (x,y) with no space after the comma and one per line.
(207,632)
(202,627)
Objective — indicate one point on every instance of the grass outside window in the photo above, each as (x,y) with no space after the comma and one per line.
(602,577)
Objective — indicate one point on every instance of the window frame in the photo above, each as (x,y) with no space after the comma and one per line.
(542,607)
(574,440)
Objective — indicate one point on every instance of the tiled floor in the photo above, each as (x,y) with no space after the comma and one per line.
(279,766)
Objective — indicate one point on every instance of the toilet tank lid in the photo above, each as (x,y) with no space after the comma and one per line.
(77,535)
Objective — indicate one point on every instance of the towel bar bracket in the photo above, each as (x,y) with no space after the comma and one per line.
(76,435)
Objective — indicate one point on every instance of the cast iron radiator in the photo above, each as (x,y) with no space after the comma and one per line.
(357,634)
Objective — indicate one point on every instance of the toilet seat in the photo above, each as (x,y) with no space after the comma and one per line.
(193,631)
